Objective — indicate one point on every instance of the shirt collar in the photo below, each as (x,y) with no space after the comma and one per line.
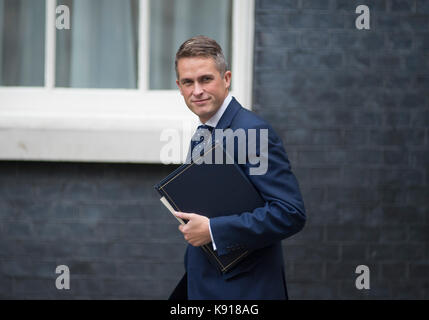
(213,121)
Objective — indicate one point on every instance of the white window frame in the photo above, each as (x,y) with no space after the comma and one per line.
(110,125)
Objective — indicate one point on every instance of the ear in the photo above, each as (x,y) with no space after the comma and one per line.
(227,79)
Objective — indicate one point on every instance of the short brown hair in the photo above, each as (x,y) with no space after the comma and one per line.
(202,46)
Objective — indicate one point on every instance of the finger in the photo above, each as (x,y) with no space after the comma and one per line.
(183,215)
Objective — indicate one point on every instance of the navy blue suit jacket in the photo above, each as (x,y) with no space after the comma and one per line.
(261,274)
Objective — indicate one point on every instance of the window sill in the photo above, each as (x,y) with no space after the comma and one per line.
(93,125)
(112,125)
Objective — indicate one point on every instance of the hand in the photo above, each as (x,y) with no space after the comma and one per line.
(196,231)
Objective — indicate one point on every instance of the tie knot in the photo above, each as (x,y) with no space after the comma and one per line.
(204,126)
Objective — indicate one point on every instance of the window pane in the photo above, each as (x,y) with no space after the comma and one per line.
(22,42)
(174,21)
(100,48)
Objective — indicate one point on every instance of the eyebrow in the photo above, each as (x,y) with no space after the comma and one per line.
(209,75)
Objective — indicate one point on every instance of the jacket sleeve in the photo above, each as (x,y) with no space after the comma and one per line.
(283,213)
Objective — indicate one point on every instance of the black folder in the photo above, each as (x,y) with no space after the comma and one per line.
(212,190)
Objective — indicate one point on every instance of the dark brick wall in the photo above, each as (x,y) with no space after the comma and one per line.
(103,221)
(352,109)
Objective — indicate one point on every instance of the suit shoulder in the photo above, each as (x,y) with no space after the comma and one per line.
(248,119)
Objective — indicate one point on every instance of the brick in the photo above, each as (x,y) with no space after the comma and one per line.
(390,252)
(392,271)
(396,157)
(270,21)
(88,287)
(273,60)
(406,290)
(312,233)
(393,137)
(284,39)
(304,271)
(21,229)
(395,119)
(315,20)
(279,79)
(419,270)
(307,59)
(315,4)
(154,252)
(392,22)
(352,233)
(6,287)
(422,7)
(388,61)
(353,252)
(146,270)
(299,290)
(400,41)
(117,212)
(370,80)
(315,176)
(359,62)
(373,119)
(12,190)
(402,6)
(342,117)
(314,39)
(311,254)
(417,63)
(416,23)
(419,234)
(352,194)
(327,137)
(350,5)
(322,214)
(40,287)
(353,138)
(297,136)
(402,214)
(393,234)
(359,41)
(391,81)
(417,195)
(422,81)
(28,268)
(419,119)
(419,158)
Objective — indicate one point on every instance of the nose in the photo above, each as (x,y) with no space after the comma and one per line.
(198,89)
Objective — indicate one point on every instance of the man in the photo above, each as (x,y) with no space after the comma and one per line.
(204,82)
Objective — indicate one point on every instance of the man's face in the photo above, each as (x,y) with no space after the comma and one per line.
(202,85)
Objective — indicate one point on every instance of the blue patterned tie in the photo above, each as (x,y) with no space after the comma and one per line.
(203,133)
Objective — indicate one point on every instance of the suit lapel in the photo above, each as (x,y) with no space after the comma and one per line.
(228,115)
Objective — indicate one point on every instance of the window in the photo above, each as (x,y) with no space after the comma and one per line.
(105,89)
(22,39)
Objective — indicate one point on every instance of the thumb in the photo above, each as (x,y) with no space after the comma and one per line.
(183,215)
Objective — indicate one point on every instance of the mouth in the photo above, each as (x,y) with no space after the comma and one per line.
(200,101)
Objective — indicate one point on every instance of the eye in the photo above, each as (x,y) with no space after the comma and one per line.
(207,79)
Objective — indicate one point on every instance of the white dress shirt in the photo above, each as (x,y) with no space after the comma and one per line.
(213,121)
